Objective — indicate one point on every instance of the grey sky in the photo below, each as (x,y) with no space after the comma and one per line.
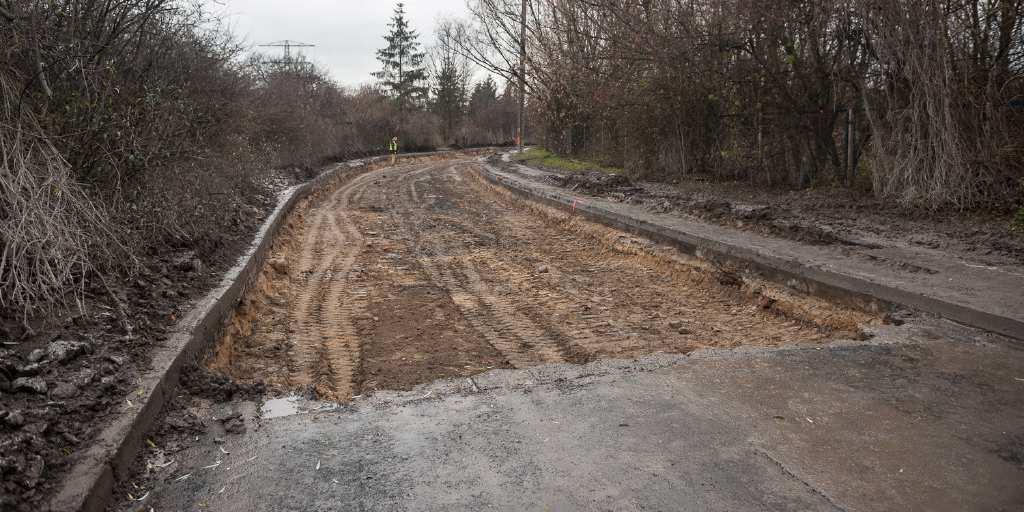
(347,33)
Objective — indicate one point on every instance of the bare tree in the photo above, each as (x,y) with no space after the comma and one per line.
(790,92)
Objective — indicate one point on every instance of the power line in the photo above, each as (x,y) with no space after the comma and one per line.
(287,44)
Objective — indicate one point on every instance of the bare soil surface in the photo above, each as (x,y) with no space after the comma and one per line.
(406,275)
(819,216)
(62,377)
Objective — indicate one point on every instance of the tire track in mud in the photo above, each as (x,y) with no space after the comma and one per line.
(325,345)
(421,271)
(326,276)
(635,275)
(502,324)
(311,267)
(607,300)
(541,296)
(555,302)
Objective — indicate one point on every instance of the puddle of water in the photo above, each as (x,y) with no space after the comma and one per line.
(292,405)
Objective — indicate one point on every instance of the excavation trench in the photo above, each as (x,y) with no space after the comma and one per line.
(404,275)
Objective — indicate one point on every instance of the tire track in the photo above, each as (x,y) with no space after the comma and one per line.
(409,273)
(516,336)
(311,267)
(534,297)
(325,346)
(646,300)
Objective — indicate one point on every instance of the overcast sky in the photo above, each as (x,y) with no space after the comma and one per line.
(347,33)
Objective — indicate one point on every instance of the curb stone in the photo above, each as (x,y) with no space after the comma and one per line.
(842,288)
(89,484)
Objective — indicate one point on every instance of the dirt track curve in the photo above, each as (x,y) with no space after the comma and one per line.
(403,275)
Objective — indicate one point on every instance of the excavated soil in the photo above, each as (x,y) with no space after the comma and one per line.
(405,275)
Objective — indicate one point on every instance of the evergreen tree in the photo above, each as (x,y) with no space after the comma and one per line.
(402,73)
(492,116)
(451,77)
(485,96)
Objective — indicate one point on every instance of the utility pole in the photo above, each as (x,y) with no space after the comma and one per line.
(521,118)
(851,137)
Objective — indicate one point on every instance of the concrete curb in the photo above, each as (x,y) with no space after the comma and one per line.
(834,286)
(90,483)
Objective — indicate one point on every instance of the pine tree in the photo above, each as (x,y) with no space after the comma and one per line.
(450,84)
(402,73)
(485,96)
(492,116)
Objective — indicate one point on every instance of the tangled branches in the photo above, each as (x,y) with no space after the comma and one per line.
(944,134)
(794,93)
(48,225)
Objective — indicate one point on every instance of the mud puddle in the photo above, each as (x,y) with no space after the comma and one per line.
(292,405)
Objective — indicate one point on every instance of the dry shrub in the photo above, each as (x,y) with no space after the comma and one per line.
(201,204)
(307,119)
(136,123)
(943,135)
(421,132)
(52,233)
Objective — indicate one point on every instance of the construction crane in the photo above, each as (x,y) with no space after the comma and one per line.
(287,44)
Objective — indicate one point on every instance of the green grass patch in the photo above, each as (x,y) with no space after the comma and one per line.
(1018,220)
(544,158)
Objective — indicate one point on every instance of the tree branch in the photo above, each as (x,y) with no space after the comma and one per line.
(7,15)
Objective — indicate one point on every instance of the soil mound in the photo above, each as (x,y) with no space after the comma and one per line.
(594,182)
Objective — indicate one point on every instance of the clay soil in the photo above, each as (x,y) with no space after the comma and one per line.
(406,275)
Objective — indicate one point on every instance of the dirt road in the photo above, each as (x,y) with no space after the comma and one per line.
(404,275)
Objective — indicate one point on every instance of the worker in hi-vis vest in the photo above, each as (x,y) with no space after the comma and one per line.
(393,148)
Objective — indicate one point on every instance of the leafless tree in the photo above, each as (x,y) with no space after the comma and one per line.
(790,92)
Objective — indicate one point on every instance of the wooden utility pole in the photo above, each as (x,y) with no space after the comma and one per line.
(851,136)
(521,118)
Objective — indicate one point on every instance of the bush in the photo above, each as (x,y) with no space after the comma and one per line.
(52,232)
(199,205)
